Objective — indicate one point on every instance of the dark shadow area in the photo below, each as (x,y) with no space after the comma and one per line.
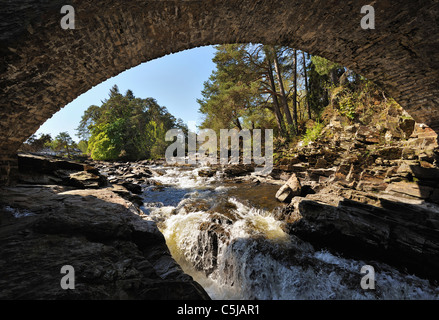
(115,253)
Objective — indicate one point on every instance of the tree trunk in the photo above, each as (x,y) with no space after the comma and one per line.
(276,107)
(68,150)
(308,105)
(295,90)
(282,90)
(238,124)
(334,77)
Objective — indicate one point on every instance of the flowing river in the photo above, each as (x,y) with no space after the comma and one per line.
(225,234)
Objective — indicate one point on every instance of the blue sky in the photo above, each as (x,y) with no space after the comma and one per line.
(175,81)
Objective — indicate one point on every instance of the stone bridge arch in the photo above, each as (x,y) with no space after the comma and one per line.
(43,67)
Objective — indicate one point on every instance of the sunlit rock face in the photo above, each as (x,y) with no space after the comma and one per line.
(43,67)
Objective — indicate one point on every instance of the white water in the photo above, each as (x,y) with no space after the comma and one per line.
(236,251)
(19,213)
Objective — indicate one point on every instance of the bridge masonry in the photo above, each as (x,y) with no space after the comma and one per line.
(43,67)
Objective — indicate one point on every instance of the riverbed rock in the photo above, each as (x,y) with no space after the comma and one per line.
(115,253)
(289,190)
(405,235)
(238,170)
(84,179)
(133,187)
(207,172)
(35,169)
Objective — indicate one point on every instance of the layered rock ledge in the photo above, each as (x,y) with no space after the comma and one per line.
(373,193)
(46,222)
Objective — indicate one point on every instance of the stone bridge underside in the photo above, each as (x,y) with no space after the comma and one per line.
(43,67)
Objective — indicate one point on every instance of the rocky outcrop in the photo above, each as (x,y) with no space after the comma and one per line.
(44,170)
(115,252)
(404,235)
(376,191)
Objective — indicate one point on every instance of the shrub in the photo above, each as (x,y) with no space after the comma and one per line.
(313,133)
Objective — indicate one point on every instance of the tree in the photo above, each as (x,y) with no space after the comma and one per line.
(273,93)
(291,123)
(318,88)
(36,144)
(63,143)
(295,89)
(126,127)
(252,82)
(308,105)
(231,91)
(83,146)
(325,67)
(243,89)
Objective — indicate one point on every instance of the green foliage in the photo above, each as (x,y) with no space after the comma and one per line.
(347,105)
(63,144)
(324,66)
(243,92)
(356,100)
(106,140)
(36,144)
(313,133)
(230,96)
(83,146)
(126,127)
(318,89)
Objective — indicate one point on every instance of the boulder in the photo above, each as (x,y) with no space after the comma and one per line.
(367,135)
(289,190)
(84,179)
(41,164)
(389,153)
(409,189)
(206,173)
(321,163)
(238,170)
(133,187)
(407,126)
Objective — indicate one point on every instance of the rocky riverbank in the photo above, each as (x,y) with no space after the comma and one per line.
(65,213)
(368,193)
(363,192)
(374,192)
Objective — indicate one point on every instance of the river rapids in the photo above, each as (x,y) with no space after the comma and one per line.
(225,234)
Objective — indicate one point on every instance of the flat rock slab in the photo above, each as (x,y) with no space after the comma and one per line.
(115,253)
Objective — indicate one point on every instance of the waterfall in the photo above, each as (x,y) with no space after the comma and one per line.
(238,251)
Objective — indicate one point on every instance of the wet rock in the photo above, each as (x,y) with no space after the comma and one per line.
(238,170)
(210,239)
(134,188)
(402,234)
(207,173)
(142,172)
